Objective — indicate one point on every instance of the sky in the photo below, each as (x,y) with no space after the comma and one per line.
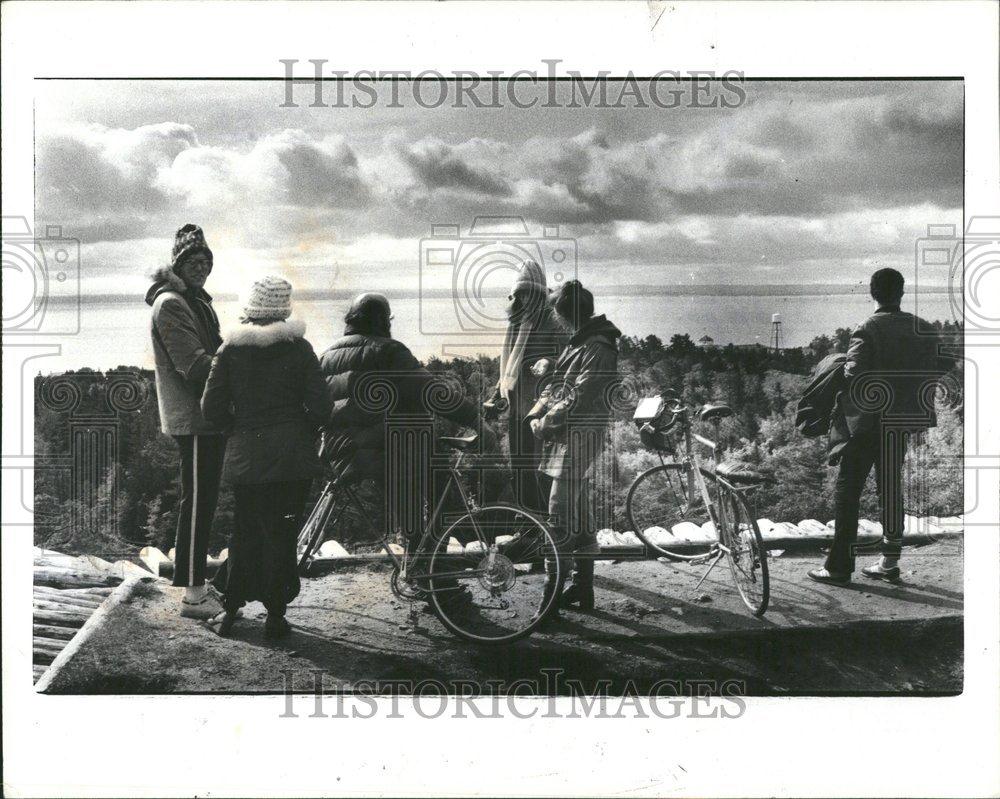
(805,182)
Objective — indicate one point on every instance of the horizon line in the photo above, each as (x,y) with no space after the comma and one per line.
(681,290)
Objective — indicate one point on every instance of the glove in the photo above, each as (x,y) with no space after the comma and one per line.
(541,367)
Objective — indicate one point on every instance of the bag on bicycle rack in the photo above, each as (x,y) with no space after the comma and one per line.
(646,416)
(654,439)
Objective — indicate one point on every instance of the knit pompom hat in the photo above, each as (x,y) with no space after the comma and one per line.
(269,298)
(189,240)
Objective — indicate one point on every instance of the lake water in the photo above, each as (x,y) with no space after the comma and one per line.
(117,333)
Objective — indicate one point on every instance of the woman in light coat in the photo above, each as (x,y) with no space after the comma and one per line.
(533,341)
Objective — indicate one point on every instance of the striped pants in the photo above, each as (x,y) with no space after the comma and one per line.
(201,471)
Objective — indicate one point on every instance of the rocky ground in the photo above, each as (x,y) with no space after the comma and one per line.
(649,626)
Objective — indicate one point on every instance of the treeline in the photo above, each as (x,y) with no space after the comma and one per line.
(106,478)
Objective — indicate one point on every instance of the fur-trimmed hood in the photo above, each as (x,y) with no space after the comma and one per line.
(165,279)
(251,335)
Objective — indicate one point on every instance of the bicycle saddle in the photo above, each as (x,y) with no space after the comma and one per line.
(714,412)
(460,442)
(737,473)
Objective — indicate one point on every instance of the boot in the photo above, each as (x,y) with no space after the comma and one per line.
(229,619)
(551,588)
(276,625)
(581,590)
(577,594)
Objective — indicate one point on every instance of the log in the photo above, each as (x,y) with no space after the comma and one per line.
(87,563)
(45,650)
(81,601)
(67,578)
(100,616)
(42,642)
(73,619)
(45,604)
(152,557)
(38,671)
(49,631)
(211,567)
(100,593)
(126,568)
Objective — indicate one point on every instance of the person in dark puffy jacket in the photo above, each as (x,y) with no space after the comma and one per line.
(571,417)
(372,377)
(266,388)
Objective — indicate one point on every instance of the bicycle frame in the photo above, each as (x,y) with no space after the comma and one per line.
(404,563)
(696,483)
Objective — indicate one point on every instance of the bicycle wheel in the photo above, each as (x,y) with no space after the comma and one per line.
(486,591)
(657,501)
(311,535)
(747,555)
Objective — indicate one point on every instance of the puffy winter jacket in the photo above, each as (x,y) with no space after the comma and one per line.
(370,378)
(185,333)
(266,388)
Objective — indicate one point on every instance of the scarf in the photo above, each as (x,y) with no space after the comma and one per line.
(516,338)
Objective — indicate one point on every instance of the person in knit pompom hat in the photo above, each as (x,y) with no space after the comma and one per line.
(532,342)
(266,387)
(269,298)
(185,333)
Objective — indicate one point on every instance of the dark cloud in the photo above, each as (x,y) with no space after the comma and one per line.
(440,166)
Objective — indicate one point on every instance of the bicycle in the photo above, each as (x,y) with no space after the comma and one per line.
(486,591)
(685,490)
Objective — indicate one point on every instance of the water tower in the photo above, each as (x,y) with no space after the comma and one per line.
(776,332)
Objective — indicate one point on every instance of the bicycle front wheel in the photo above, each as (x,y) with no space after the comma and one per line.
(486,591)
(747,556)
(657,501)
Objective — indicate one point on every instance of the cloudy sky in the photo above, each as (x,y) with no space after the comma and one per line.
(804,183)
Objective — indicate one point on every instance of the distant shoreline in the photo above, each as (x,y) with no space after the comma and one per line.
(691,290)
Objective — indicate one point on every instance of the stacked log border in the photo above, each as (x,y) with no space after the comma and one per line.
(808,536)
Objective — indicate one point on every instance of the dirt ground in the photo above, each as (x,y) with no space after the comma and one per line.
(649,626)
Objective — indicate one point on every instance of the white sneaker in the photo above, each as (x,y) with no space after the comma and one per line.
(204,609)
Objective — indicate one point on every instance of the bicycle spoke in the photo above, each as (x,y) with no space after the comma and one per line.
(491,600)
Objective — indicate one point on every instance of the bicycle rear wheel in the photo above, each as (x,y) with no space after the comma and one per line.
(486,591)
(657,502)
(747,556)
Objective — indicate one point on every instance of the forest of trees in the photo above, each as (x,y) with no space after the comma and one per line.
(106,478)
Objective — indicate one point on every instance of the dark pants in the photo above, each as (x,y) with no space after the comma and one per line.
(885,451)
(201,471)
(572,523)
(525,451)
(262,557)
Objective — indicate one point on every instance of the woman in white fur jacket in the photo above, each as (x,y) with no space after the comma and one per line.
(265,387)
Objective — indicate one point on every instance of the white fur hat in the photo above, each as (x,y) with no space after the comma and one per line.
(269,298)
